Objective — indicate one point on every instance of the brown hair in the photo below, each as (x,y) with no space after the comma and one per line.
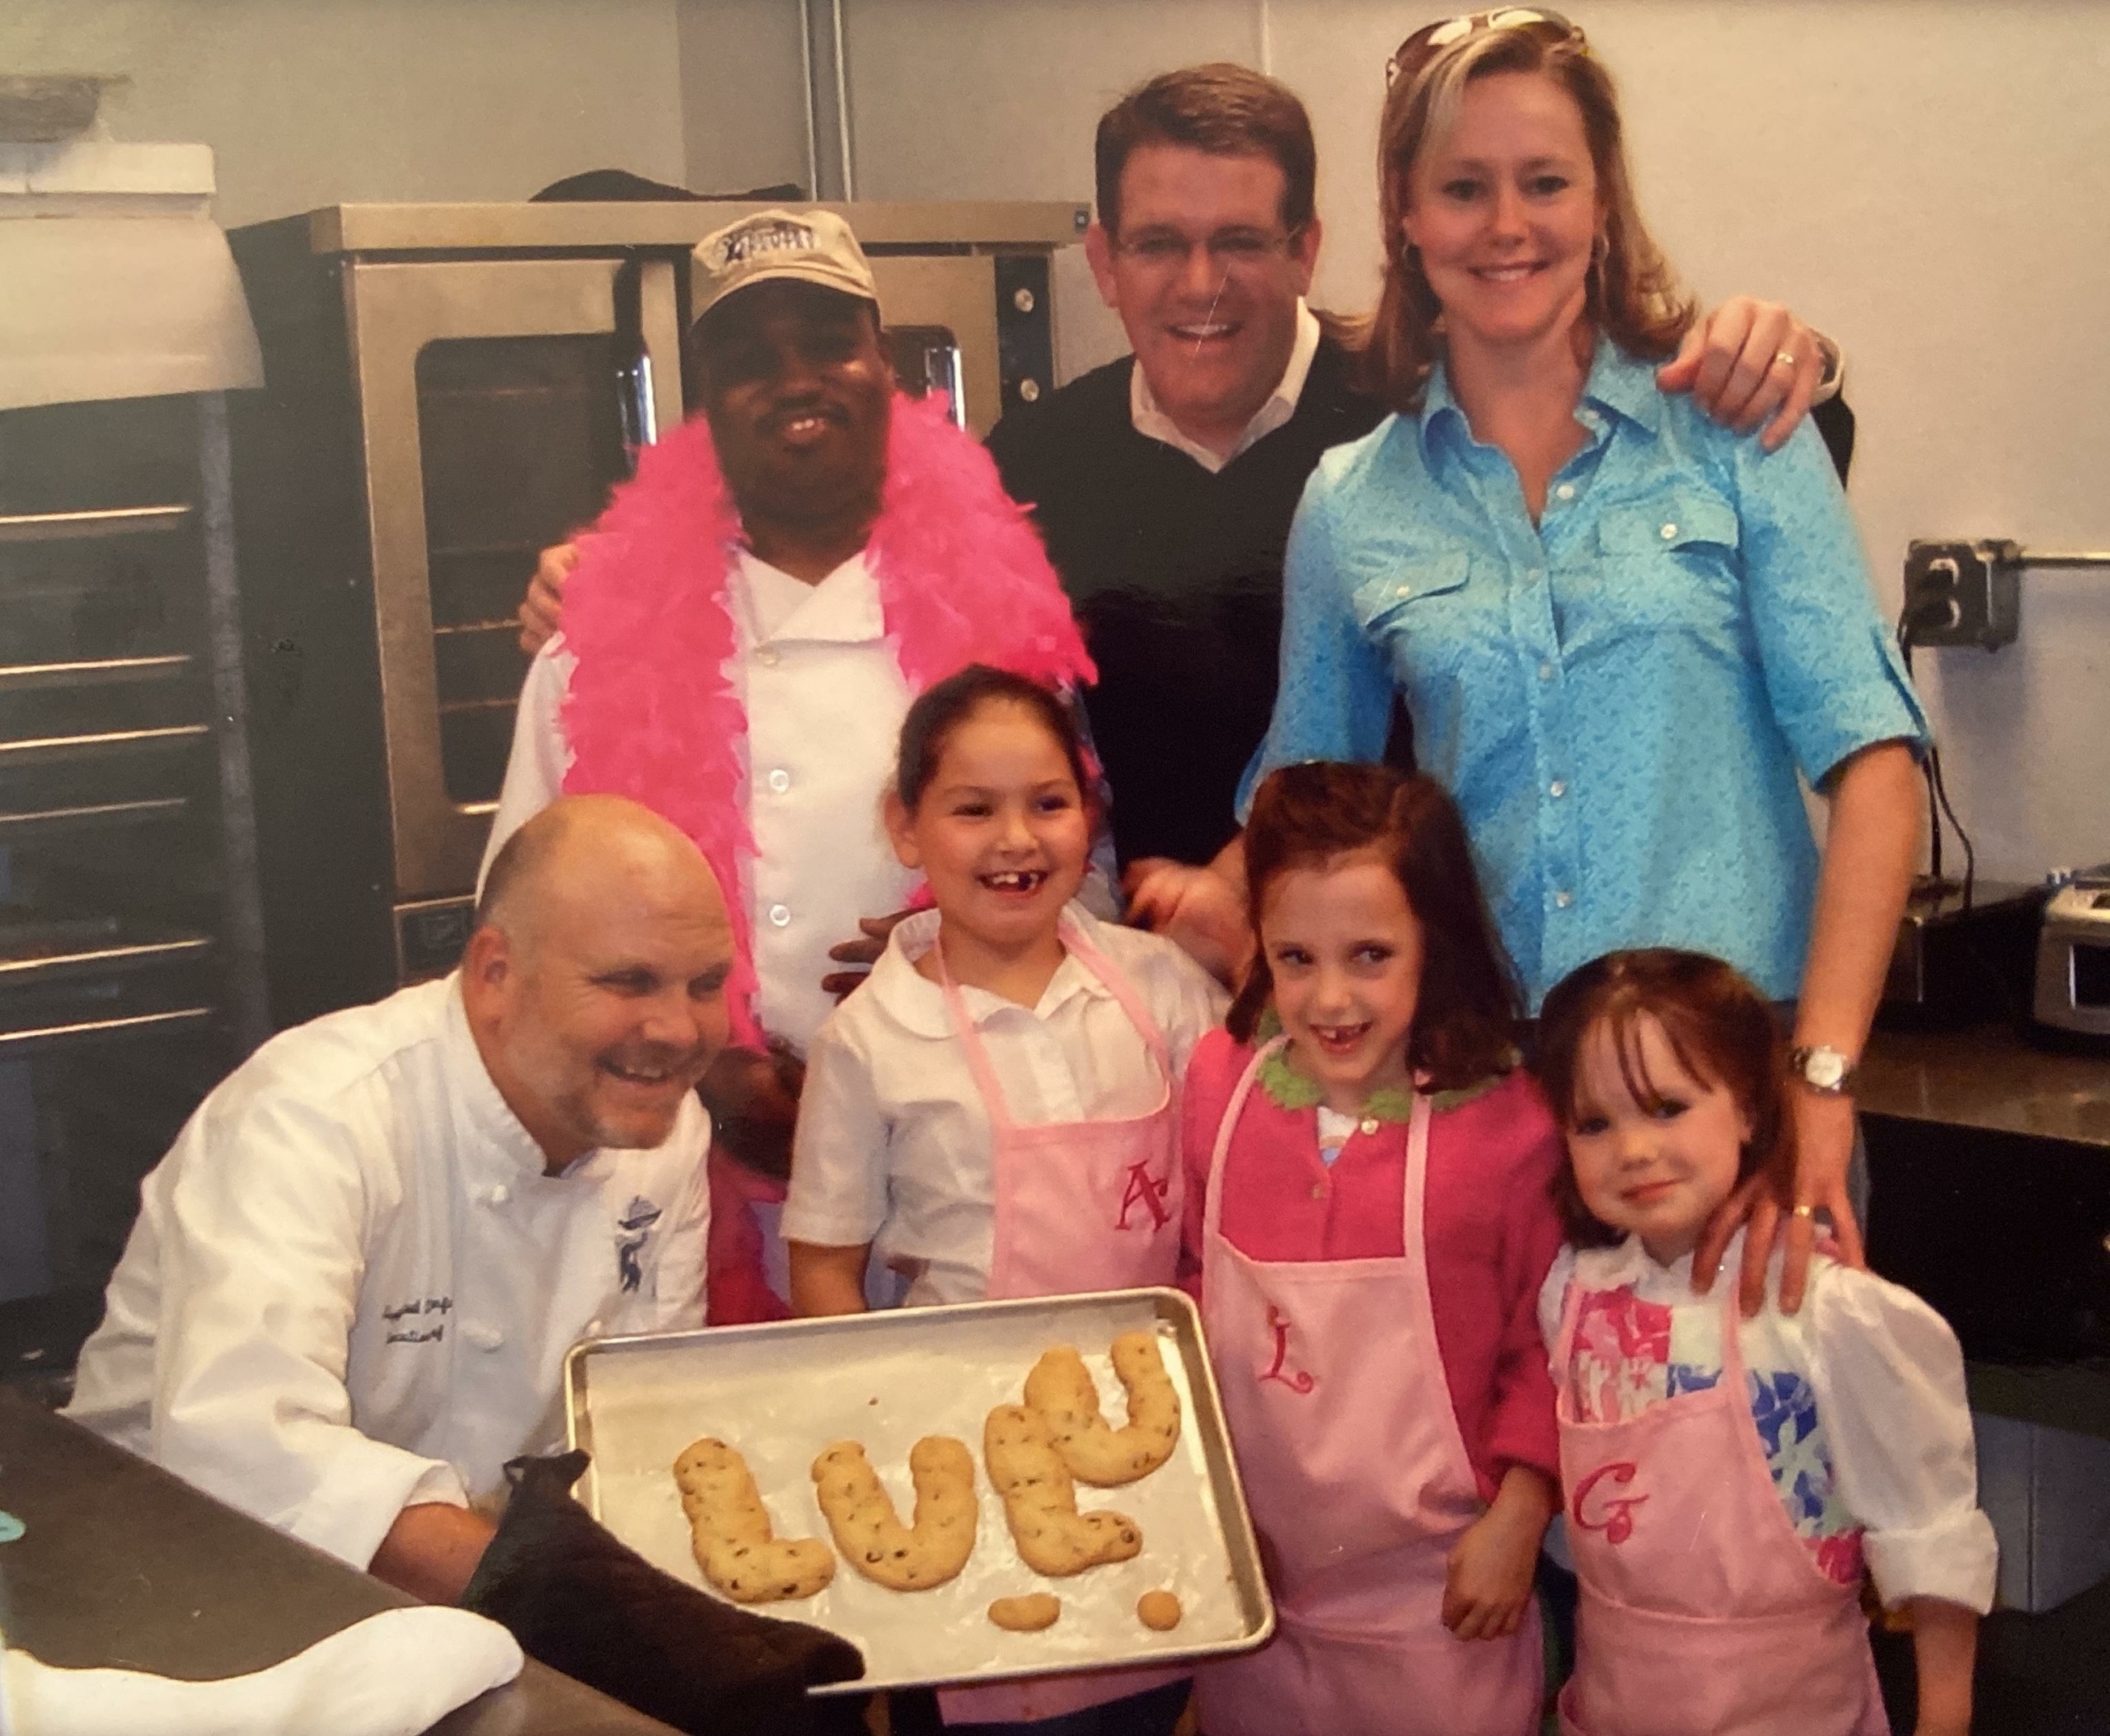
(1226,110)
(1633,297)
(1722,1029)
(1309,816)
(940,710)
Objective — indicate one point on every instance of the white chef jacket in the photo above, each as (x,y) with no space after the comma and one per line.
(352,1285)
(824,697)
(894,1146)
(1892,1424)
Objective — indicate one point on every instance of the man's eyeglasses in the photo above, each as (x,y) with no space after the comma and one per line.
(1436,36)
(1232,252)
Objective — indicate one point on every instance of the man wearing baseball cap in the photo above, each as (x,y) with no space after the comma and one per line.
(743,634)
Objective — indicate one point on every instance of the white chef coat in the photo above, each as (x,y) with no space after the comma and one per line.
(894,1146)
(824,697)
(1893,1422)
(352,1285)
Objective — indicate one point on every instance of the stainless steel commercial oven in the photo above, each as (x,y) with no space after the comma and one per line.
(129,974)
(451,388)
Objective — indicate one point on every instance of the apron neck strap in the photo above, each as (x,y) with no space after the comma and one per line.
(1102,969)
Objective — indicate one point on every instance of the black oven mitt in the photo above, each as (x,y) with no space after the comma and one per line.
(582,1603)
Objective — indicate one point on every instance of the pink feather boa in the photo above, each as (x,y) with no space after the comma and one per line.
(650,713)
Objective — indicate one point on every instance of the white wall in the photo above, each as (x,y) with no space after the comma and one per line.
(1927,179)
(317,102)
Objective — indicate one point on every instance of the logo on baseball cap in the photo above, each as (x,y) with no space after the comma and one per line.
(810,248)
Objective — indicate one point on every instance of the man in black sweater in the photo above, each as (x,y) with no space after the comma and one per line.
(1165,482)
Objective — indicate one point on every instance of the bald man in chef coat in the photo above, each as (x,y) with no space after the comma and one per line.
(353,1278)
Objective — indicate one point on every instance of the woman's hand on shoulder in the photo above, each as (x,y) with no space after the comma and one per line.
(1732,363)
(1201,909)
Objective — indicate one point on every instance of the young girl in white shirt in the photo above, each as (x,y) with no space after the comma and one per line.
(1726,1480)
(995,1112)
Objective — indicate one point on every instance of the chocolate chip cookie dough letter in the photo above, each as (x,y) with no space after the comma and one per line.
(870,1534)
(1060,1388)
(1040,1500)
(735,1546)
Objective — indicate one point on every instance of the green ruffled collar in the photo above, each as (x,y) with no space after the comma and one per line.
(1287,1088)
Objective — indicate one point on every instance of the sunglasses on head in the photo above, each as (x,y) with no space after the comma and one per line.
(1450,32)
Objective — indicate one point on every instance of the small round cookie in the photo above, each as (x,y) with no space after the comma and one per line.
(1061,1389)
(870,1535)
(1040,1499)
(731,1535)
(1159,1609)
(1026,1615)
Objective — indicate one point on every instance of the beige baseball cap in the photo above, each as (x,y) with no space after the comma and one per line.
(809,247)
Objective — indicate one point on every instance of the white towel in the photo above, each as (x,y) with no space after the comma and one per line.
(394,1674)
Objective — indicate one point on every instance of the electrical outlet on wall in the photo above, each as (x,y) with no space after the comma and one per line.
(1962,594)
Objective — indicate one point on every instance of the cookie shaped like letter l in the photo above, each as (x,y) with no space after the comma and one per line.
(734,1545)
(1040,1500)
(870,1535)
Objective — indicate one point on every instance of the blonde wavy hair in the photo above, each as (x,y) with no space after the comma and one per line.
(1633,297)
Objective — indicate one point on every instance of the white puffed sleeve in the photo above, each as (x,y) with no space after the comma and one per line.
(1888,1375)
(1552,1294)
(840,1151)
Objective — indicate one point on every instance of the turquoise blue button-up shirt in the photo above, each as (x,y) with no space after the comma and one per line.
(1620,697)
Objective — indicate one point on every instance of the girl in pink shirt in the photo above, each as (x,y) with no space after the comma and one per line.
(1368,1213)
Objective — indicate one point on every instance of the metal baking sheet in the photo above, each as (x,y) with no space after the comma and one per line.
(780,1393)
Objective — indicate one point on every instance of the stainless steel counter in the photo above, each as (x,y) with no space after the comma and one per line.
(121,1565)
(1988,1077)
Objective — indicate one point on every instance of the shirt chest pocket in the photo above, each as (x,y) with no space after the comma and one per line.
(1431,616)
(1670,565)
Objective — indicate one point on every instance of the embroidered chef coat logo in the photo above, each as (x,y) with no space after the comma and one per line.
(635,1226)
(1151,1193)
(412,1322)
(1302,1380)
(1617,1520)
(760,238)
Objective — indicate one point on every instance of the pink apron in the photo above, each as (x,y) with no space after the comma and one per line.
(1079,1205)
(1702,1613)
(1359,1481)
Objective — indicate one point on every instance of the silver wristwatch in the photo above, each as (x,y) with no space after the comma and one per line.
(1822,1069)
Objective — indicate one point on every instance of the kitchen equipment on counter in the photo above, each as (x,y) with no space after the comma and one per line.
(453,388)
(2072,1001)
(1959,963)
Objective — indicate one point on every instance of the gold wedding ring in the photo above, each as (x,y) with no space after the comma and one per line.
(1805,1211)
(1784,358)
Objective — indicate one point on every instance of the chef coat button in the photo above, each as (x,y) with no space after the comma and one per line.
(1556,789)
(1318,1190)
(766,657)
(499,1194)
(1546,671)
(779,915)
(1369,1125)
(1669,531)
(1563,899)
(780,779)
(483,1337)
(1566,491)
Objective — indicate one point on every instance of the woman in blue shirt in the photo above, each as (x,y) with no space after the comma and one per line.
(1621,632)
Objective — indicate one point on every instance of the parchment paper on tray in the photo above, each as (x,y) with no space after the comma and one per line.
(780,1393)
